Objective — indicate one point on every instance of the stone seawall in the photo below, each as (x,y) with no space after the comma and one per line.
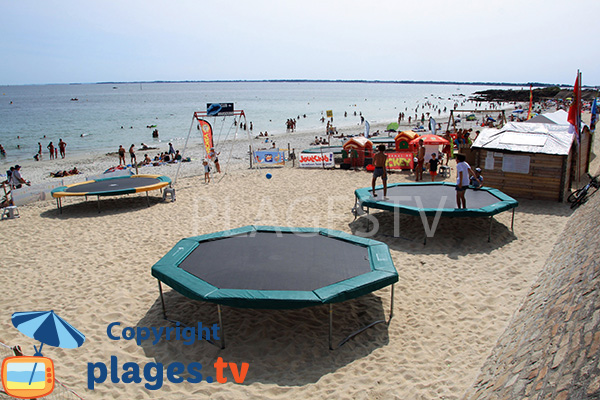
(551,348)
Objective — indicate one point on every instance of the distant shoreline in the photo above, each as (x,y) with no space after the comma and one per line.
(401,82)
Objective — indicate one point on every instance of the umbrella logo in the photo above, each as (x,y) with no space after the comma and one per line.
(30,377)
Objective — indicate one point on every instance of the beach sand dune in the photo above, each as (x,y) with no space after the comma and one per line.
(455,295)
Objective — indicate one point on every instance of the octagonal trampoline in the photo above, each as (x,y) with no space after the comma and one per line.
(265,267)
(112,186)
(436,199)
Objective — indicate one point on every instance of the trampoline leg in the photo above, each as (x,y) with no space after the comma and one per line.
(98,203)
(162,300)
(221,325)
(512,222)
(147,198)
(331,327)
(490,232)
(361,330)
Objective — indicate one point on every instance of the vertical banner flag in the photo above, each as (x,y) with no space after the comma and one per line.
(530,102)
(206,134)
(573,117)
(367,128)
(432,125)
(594,115)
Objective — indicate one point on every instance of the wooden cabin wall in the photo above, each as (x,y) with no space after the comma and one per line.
(545,180)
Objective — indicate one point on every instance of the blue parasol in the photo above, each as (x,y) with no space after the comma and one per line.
(48,328)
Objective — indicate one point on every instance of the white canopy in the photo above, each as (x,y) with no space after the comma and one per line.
(527,137)
(558,117)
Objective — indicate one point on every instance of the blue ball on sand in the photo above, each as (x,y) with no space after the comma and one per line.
(269,176)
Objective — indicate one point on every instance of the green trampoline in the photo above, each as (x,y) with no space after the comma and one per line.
(265,267)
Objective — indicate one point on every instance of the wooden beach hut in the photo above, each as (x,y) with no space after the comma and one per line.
(531,160)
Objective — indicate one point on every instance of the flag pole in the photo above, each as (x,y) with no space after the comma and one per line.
(578,129)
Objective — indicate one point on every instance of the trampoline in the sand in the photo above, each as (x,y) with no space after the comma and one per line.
(113,186)
(276,268)
(436,199)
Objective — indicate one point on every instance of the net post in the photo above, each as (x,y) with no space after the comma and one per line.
(512,222)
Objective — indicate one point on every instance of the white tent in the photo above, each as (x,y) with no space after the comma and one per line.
(527,137)
(558,117)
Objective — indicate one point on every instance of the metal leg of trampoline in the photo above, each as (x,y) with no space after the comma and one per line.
(59,205)
(147,198)
(162,300)
(98,202)
(359,331)
(512,222)
(490,231)
(164,309)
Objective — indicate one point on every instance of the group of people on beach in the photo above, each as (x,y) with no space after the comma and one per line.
(170,156)
(52,150)
(14,179)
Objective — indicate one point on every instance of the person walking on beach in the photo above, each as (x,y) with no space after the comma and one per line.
(420,161)
(122,155)
(39,153)
(379,160)
(51,149)
(132,155)
(61,146)
(433,166)
(206,171)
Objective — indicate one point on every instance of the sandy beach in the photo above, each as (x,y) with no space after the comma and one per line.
(454,298)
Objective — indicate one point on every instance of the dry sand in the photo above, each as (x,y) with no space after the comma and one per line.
(455,295)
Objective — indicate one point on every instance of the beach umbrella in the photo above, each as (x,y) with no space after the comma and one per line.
(429,140)
(392,127)
(48,328)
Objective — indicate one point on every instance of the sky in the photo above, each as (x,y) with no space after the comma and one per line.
(75,41)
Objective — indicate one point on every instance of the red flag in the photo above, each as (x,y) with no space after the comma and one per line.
(530,102)
(572,118)
(206,135)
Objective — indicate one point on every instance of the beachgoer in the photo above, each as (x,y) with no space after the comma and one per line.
(17,180)
(61,146)
(122,155)
(206,171)
(420,161)
(171,149)
(2,151)
(132,154)
(447,149)
(214,157)
(51,149)
(147,160)
(477,179)
(379,160)
(462,180)
(433,165)
(39,153)
(177,156)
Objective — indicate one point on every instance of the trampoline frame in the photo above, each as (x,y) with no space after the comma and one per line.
(61,192)
(363,198)
(385,275)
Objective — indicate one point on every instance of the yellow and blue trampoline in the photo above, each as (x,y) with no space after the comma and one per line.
(113,186)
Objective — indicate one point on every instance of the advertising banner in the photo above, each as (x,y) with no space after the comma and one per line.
(324,160)
(269,157)
(402,160)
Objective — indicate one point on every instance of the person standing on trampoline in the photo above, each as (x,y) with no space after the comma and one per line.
(379,160)
(463,171)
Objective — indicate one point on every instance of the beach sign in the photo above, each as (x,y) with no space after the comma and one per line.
(312,160)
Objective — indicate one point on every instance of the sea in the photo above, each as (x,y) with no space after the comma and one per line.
(93,118)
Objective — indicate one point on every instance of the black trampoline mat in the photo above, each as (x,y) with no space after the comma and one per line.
(272,261)
(109,185)
(431,196)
